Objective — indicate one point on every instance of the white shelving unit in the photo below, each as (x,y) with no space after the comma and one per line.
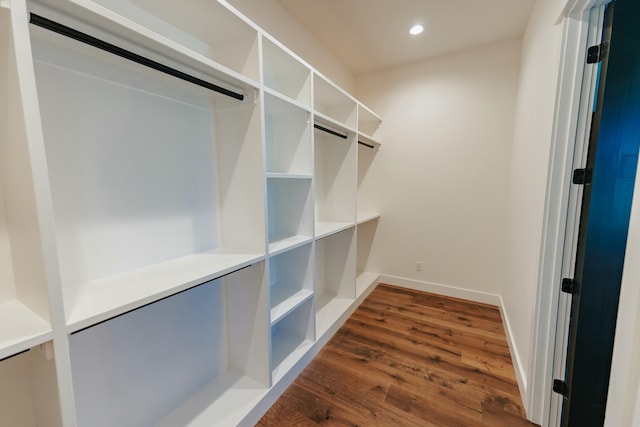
(335,278)
(333,104)
(368,125)
(154,364)
(124,237)
(288,138)
(365,236)
(290,280)
(24,310)
(290,213)
(170,223)
(284,74)
(291,338)
(28,391)
(335,179)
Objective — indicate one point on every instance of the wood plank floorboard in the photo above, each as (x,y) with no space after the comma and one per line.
(408,358)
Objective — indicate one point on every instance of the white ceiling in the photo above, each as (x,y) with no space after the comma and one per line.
(369,35)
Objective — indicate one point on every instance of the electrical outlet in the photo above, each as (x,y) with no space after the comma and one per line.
(418,265)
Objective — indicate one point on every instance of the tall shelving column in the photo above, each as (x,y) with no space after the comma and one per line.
(367,213)
(28,390)
(289,159)
(158,195)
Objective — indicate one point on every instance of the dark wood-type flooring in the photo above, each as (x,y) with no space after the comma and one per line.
(408,358)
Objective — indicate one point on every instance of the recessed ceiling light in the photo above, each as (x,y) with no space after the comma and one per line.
(416,29)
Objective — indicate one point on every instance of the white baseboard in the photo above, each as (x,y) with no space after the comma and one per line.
(515,357)
(445,290)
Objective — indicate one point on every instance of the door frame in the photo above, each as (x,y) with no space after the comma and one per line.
(582,22)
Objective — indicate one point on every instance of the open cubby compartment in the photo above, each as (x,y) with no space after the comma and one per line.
(335,277)
(199,357)
(157,184)
(290,213)
(333,102)
(285,74)
(288,137)
(335,179)
(366,272)
(291,338)
(24,309)
(367,191)
(290,280)
(368,122)
(29,389)
(204,30)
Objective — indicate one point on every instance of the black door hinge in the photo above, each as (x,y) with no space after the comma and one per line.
(596,53)
(582,176)
(570,286)
(561,387)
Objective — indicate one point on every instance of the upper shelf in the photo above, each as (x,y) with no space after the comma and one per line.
(206,37)
(285,74)
(368,121)
(333,102)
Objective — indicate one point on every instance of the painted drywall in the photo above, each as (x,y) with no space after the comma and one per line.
(440,179)
(528,178)
(278,22)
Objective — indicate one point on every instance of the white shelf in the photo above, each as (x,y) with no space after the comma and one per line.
(365,280)
(287,350)
(333,102)
(325,229)
(101,299)
(374,143)
(286,299)
(207,35)
(368,121)
(367,216)
(225,401)
(282,244)
(20,329)
(285,74)
(329,308)
(287,137)
(277,175)
(274,94)
(323,119)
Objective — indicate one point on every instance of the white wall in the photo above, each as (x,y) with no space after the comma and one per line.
(528,178)
(441,177)
(278,22)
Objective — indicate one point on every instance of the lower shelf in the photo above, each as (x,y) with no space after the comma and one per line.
(329,308)
(287,350)
(364,280)
(102,299)
(285,300)
(20,329)
(225,401)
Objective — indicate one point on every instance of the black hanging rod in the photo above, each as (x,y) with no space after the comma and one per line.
(365,144)
(332,132)
(126,54)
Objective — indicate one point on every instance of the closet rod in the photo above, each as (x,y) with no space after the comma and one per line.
(365,144)
(332,132)
(126,54)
